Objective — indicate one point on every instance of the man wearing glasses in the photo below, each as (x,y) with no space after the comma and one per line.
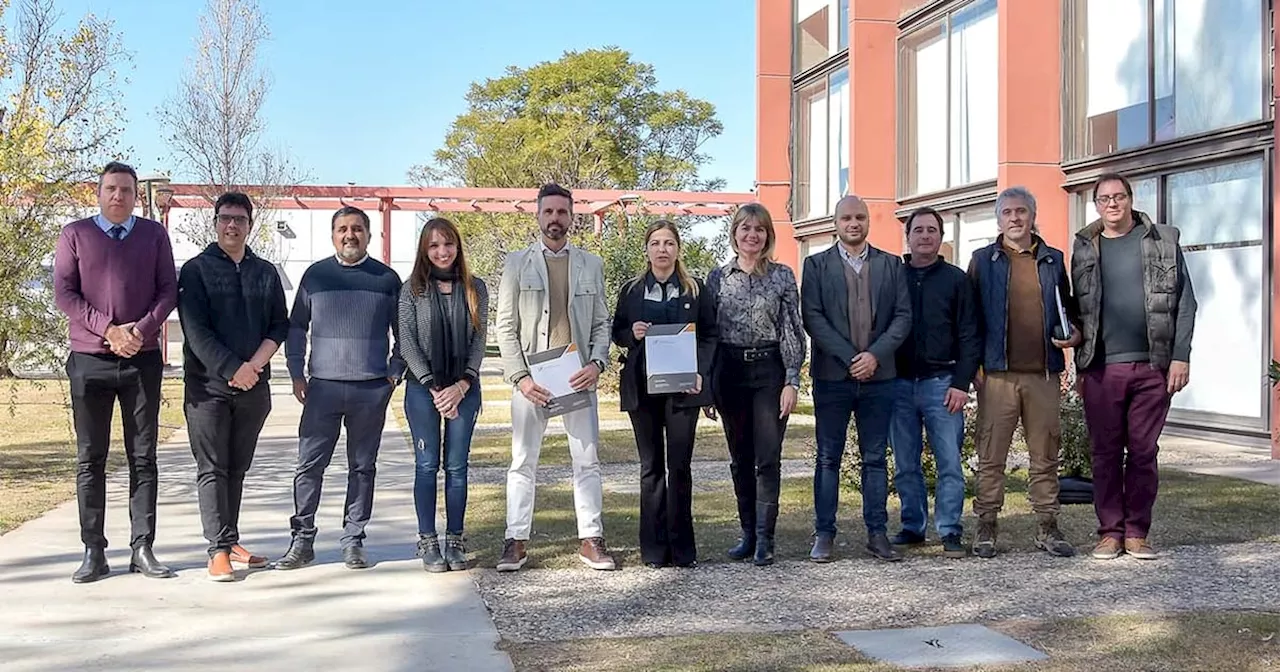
(232,307)
(1138,311)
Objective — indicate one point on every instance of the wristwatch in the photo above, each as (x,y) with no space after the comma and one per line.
(599,364)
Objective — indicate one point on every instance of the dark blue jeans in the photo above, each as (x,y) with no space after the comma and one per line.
(428,443)
(870,405)
(918,404)
(362,407)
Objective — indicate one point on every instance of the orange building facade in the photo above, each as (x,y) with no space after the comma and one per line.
(943,103)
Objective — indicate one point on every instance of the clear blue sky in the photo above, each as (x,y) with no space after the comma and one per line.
(364,90)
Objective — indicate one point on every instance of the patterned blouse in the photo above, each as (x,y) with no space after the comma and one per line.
(755,311)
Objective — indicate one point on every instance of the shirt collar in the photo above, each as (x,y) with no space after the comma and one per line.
(650,281)
(564,251)
(342,262)
(106,225)
(862,256)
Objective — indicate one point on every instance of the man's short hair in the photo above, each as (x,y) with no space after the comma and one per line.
(553,189)
(349,210)
(118,167)
(921,212)
(234,199)
(1112,177)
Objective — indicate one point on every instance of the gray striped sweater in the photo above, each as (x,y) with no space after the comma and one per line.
(415,331)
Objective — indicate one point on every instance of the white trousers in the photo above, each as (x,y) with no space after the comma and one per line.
(528,425)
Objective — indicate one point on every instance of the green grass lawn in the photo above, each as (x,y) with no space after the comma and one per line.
(1240,642)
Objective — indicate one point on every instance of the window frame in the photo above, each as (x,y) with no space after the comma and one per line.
(823,73)
(923,19)
(842,30)
(1075,80)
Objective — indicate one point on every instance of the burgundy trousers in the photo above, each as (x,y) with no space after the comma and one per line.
(1125,406)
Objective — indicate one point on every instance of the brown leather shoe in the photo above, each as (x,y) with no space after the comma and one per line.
(513,556)
(220,567)
(1140,549)
(244,557)
(1108,548)
(594,555)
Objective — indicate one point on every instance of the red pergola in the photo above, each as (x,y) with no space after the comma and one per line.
(595,202)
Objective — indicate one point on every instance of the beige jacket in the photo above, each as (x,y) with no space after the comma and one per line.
(521,320)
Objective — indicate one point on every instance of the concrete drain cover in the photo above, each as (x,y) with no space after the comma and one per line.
(947,646)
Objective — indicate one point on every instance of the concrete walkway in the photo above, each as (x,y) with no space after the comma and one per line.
(392,616)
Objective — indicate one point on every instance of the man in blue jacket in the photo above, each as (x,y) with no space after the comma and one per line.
(1019,281)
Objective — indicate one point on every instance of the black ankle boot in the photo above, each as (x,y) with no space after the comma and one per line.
(746,544)
(94,566)
(144,562)
(300,554)
(766,523)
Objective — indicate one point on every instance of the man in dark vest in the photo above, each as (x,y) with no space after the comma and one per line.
(1019,281)
(114,277)
(1138,311)
(856,309)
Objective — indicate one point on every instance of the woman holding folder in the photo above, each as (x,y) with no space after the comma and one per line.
(665,423)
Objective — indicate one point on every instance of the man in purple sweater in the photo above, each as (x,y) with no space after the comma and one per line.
(115,279)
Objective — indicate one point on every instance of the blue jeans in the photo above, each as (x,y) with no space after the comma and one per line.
(425,428)
(870,404)
(919,404)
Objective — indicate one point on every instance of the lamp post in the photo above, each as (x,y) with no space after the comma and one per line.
(156,195)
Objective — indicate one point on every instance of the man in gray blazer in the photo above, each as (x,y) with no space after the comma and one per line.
(551,296)
(857,310)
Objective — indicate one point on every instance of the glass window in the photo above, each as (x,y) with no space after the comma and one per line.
(1156,70)
(1146,198)
(978,228)
(822,145)
(822,31)
(1225,261)
(949,84)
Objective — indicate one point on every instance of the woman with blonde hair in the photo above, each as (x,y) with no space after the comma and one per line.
(665,424)
(444,314)
(757,372)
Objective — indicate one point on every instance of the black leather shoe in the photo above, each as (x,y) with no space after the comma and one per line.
(822,547)
(94,566)
(144,562)
(878,545)
(354,558)
(300,554)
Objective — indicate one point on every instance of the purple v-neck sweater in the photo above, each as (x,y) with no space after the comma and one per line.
(99,281)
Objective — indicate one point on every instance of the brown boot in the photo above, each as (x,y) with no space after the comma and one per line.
(1051,540)
(1139,548)
(513,556)
(244,557)
(984,546)
(220,567)
(594,555)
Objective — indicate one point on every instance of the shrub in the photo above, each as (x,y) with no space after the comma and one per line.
(851,465)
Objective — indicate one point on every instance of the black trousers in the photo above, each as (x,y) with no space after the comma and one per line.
(362,407)
(664,440)
(97,383)
(223,432)
(748,396)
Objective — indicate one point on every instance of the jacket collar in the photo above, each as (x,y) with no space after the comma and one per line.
(1094,229)
(937,263)
(213,250)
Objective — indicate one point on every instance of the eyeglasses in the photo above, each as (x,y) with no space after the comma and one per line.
(239,220)
(1118,199)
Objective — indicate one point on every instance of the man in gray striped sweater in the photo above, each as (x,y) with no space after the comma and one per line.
(348,304)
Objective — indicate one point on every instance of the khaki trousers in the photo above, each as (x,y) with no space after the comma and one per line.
(1006,398)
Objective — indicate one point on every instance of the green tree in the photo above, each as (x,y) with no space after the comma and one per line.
(594,119)
(59,120)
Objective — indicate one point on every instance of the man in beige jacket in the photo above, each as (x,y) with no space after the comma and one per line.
(551,296)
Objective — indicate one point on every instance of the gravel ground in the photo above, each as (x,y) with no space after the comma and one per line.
(551,605)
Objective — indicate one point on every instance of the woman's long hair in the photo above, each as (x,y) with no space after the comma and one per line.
(757,212)
(421,278)
(686,281)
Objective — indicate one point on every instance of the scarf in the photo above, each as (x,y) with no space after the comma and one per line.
(449,320)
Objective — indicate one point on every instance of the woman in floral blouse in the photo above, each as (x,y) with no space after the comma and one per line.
(757,372)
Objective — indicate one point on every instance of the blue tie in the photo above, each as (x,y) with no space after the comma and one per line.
(117,232)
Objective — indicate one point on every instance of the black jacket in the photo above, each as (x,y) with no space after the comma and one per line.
(700,310)
(227,310)
(944,327)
